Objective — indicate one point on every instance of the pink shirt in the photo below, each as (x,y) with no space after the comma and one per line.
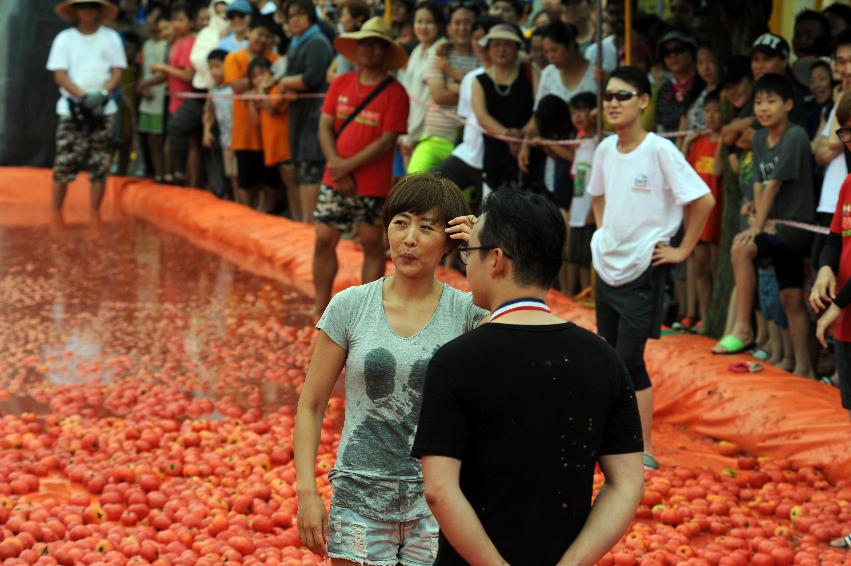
(179,57)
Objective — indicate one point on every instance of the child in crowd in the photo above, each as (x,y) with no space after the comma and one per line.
(246,139)
(179,70)
(641,184)
(782,170)
(702,151)
(270,115)
(219,113)
(87,60)
(583,116)
(152,90)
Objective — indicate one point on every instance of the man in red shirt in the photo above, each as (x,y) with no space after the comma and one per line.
(835,273)
(358,144)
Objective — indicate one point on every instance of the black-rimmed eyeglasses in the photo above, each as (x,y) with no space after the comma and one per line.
(464,252)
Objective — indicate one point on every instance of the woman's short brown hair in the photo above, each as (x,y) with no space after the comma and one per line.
(421,193)
(358,9)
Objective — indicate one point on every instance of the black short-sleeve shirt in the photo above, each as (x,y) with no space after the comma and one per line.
(528,410)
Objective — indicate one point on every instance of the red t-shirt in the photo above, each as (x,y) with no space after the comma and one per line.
(701,156)
(388,112)
(179,57)
(842,225)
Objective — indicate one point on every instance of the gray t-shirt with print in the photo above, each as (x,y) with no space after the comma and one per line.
(375,474)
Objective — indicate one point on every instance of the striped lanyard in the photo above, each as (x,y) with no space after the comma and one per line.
(523,304)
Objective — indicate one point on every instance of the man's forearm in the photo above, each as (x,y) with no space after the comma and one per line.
(763,209)
(294,82)
(610,516)
(598,204)
(698,214)
(463,529)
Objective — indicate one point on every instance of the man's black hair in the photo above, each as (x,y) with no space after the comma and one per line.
(529,228)
(633,76)
(843,39)
(305,6)
(553,118)
(773,83)
(217,55)
(812,15)
(585,100)
(735,69)
(258,63)
(260,21)
(712,96)
(843,11)
(185,8)
(485,22)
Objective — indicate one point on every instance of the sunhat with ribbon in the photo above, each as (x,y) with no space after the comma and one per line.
(347,43)
(65,10)
(507,32)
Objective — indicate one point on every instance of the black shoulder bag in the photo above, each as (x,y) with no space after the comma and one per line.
(370,97)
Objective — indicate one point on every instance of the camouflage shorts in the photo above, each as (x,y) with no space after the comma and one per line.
(345,212)
(77,150)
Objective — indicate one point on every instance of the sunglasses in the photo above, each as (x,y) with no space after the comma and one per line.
(844,134)
(619,95)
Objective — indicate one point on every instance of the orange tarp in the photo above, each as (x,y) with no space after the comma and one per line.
(771,413)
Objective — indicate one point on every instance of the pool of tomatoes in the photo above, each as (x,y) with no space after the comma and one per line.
(148,391)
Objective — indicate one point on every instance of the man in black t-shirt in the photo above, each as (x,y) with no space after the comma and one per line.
(517,413)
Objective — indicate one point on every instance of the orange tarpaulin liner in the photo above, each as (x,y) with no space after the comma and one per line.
(771,413)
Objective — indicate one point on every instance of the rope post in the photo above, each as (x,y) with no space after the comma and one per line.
(387,16)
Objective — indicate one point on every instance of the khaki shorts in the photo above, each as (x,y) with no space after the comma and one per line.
(229,159)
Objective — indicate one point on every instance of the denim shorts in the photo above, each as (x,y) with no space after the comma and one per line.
(769,298)
(361,540)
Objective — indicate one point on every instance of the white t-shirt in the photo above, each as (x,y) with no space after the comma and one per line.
(551,83)
(645,192)
(471,150)
(581,172)
(834,174)
(88,60)
(610,54)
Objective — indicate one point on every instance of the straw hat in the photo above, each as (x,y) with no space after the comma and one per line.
(347,43)
(65,10)
(502,31)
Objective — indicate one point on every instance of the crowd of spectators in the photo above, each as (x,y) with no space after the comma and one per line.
(312,110)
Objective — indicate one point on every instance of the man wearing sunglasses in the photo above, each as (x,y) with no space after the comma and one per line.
(641,185)
(526,387)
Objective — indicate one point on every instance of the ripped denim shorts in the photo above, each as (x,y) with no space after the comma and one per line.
(377,543)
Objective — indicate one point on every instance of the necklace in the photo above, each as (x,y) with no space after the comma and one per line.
(522,304)
(500,89)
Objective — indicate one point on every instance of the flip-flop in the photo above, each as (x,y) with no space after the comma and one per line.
(761,355)
(844,542)
(745,367)
(732,345)
(650,462)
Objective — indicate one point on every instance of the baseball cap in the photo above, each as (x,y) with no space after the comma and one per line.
(772,45)
(241,6)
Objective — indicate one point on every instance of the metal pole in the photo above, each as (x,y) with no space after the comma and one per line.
(387,7)
(599,63)
(627,22)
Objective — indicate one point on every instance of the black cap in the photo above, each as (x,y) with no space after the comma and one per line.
(772,45)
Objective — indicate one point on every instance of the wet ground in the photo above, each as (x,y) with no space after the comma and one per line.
(98,303)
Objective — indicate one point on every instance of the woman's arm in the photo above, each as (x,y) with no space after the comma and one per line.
(488,123)
(325,367)
(184,75)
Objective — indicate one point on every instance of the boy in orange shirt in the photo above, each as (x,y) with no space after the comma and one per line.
(253,177)
(272,115)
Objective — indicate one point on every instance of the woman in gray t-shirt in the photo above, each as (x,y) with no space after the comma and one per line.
(384,333)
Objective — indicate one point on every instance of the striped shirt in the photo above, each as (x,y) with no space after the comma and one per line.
(439,121)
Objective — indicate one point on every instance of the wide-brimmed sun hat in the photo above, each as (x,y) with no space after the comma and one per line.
(347,43)
(502,31)
(65,10)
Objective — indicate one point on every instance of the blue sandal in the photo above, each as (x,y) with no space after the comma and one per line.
(650,462)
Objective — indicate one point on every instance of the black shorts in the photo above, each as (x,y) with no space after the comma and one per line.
(843,367)
(252,173)
(634,309)
(788,265)
(579,247)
